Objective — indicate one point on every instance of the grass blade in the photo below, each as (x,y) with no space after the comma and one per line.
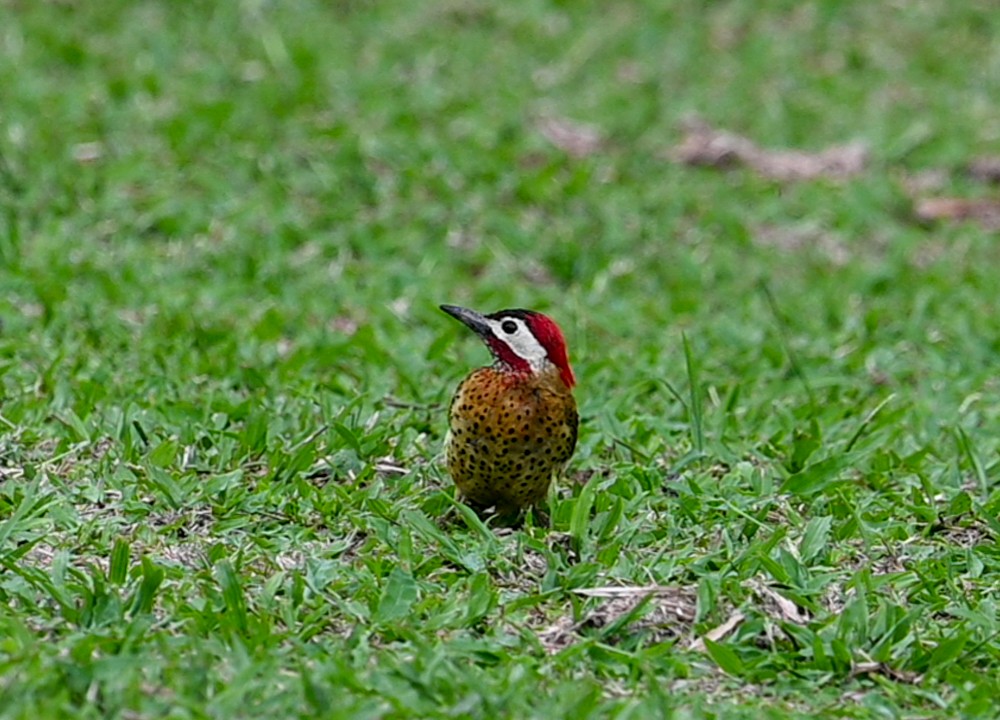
(398,595)
(725,657)
(694,388)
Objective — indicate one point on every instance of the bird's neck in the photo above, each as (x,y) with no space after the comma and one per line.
(547,376)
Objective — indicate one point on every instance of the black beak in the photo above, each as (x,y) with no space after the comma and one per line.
(474,320)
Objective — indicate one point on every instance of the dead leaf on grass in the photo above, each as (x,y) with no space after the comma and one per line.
(559,635)
(985,212)
(87,152)
(668,605)
(667,613)
(922,182)
(877,668)
(575,138)
(776,605)
(968,536)
(985,169)
(794,238)
(191,555)
(388,466)
(717,633)
(342,325)
(706,146)
(41,555)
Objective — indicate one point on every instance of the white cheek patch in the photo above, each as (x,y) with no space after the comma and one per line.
(521,341)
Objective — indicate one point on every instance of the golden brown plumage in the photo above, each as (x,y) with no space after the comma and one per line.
(510,435)
(513,426)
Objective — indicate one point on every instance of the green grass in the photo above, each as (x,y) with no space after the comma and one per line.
(225,231)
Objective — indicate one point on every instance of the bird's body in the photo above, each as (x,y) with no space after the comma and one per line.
(510,435)
(512,426)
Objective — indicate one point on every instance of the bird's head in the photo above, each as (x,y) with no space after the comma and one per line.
(522,340)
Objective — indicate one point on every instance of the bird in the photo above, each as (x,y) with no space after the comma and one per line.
(513,425)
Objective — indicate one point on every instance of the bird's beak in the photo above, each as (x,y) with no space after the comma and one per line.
(474,320)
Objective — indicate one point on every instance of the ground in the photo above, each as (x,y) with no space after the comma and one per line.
(225,231)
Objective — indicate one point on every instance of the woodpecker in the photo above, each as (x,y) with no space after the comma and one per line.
(513,425)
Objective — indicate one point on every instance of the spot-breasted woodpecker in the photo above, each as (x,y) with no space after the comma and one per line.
(513,425)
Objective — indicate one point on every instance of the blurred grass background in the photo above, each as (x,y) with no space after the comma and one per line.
(225,231)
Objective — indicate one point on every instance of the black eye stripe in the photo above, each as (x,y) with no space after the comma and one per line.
(508,326)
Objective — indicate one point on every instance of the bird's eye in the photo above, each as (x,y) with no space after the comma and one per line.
(509,327)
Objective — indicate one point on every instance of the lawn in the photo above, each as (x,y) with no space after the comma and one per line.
(226,228)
